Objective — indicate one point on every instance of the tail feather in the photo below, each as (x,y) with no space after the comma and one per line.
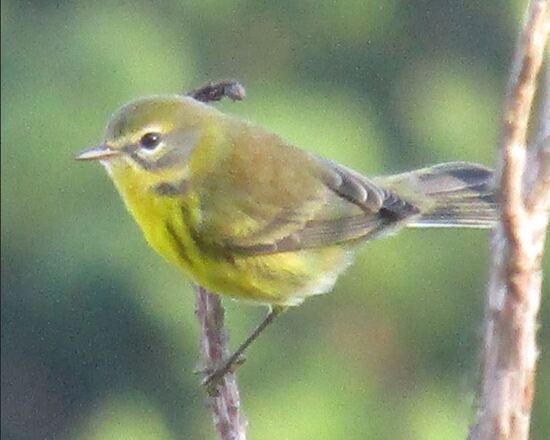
(456,194)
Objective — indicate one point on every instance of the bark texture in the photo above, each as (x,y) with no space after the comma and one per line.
(514,291)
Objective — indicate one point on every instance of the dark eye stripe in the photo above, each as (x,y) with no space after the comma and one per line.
(168,159)
(171,189)
(143,163)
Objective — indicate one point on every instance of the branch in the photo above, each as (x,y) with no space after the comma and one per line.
(224,401)
(539,199)
(231,89)
(229,422)
(514,292)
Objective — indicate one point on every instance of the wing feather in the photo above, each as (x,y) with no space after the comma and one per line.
(379,208)
(271,197)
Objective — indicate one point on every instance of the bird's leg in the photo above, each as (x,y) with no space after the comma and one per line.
(236,358)
(231,89)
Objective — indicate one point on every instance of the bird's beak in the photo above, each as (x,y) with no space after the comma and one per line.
(101,152)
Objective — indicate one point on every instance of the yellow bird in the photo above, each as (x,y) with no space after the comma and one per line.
(247,214)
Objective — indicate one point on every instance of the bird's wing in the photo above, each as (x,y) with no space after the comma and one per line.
(316,203)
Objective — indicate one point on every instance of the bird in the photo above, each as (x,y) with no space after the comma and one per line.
(245,213)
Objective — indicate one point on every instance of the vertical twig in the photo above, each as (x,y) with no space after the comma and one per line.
(224,403)
(229,421)
(514,292)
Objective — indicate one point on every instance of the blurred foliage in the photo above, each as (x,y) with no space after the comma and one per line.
(98,335)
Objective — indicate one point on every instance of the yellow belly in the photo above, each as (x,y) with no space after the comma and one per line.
(282,279)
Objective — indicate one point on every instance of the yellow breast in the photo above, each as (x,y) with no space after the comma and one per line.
(169,225)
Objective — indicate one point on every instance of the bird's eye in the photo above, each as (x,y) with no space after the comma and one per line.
(150,140)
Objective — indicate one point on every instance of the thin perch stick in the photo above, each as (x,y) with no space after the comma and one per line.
(229,421)
(225,403)
(514,292)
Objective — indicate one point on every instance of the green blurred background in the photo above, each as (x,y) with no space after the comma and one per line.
(99,339)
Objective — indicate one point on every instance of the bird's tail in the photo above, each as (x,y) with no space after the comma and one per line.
(455,194)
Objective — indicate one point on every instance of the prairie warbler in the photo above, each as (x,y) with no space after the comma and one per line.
(247,214)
